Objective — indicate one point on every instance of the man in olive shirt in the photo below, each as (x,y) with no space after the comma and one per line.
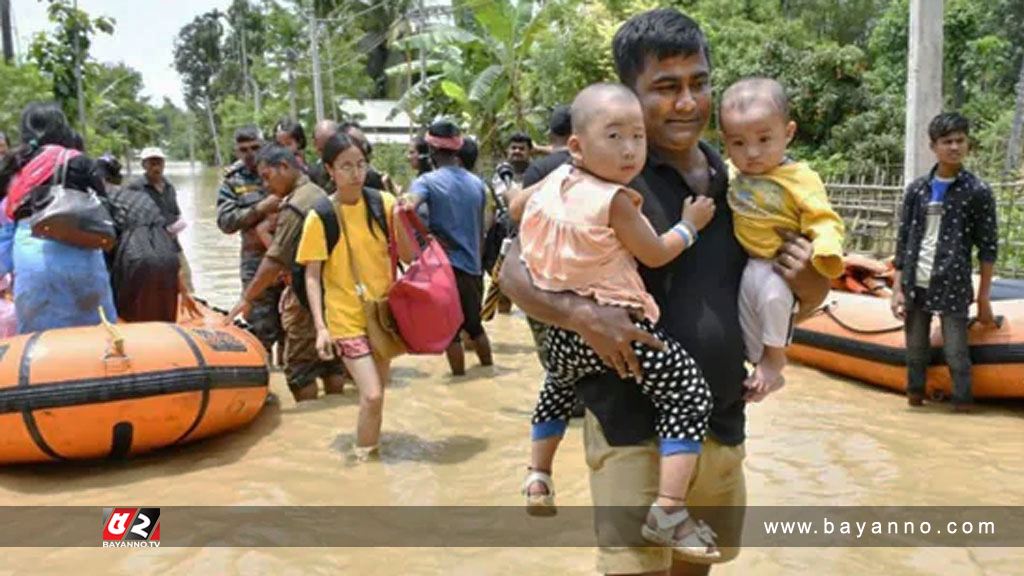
(283,178)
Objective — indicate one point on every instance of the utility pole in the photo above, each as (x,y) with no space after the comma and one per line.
(330,81)
(318,95)
(82,122)
(191,145)
(423,54)
(5,23)
(293,108)
(1016,130)
(924,83)
(422,22)
(245,56)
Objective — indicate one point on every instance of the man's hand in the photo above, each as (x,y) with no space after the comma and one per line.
(611,331)
(793,263)
(269,205)
(985,316)
(243,308)
(898,303)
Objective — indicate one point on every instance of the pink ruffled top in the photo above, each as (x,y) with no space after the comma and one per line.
(568,244)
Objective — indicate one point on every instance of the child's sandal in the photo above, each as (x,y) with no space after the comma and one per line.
(698,544)
(540,504)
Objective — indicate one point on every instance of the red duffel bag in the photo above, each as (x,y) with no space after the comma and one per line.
(425,300)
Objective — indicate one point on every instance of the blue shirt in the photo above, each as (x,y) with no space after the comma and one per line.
(939,187)
(455,198)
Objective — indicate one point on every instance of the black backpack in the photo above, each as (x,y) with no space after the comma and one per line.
(324,209)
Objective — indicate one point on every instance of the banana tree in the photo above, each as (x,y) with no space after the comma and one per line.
(479,66)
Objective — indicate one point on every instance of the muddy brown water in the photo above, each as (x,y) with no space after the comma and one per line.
(822,440)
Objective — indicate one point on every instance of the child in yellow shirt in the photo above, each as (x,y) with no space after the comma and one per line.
(769,192)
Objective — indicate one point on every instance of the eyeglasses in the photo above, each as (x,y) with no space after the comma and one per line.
(353,168)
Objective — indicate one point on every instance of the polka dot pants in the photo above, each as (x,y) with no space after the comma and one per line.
(671,379)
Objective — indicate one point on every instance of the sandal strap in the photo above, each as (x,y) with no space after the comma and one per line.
(538,476)
(666,520)
(704,532)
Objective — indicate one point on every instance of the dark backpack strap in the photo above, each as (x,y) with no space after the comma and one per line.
(299,213)
(324,208)
(375,202)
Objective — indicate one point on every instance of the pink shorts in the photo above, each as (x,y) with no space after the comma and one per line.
(352,347)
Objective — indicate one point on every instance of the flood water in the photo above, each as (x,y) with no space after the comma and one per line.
(452,441)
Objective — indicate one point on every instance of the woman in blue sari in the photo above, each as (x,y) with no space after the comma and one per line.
(56,285)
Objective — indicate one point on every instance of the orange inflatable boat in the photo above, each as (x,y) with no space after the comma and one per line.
(110,392)
(857,336)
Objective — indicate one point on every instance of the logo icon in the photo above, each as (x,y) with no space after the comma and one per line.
(131,527)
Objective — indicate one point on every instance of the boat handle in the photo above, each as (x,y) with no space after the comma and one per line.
(998,318)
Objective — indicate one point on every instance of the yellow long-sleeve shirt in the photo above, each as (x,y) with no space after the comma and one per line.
(791,196)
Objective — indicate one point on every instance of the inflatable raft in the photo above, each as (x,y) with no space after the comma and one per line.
(110,392)
(856,335)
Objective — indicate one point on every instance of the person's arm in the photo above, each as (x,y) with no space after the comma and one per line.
(609,330)
(793,263)
(324,345)
(265,232)
(897,302)
(985,237)
(820,223)
(638,236)
(517,201)
(266,276)
(404,244)
(232,216)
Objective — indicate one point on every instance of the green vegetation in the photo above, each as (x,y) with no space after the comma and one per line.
(502,65)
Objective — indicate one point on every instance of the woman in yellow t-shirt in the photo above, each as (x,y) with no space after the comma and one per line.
(342,330)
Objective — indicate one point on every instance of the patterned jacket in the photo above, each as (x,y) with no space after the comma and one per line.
(237,198)
(968,221)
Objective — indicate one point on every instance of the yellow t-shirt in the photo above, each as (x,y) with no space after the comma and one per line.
(345,318)
(791,196)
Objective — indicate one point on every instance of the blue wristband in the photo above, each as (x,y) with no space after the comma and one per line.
(691,228)
(683,233)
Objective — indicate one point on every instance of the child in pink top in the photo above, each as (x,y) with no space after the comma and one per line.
(582,231)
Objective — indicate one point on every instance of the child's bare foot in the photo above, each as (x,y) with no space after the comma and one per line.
(670,524)
(767,376)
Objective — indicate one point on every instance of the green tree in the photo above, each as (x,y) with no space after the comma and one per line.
(122,119)
(22,84)
(197,58)
(485,81)
(58,53)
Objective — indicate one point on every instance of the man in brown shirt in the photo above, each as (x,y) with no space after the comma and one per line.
(283,178)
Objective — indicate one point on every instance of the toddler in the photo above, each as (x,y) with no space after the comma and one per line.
(768,192)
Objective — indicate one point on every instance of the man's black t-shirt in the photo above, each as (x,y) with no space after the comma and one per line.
(697,293)
(536,171)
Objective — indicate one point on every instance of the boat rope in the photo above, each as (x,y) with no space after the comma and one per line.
(829,310)
(116,337)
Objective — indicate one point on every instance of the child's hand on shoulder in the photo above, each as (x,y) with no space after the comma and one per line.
(698,210)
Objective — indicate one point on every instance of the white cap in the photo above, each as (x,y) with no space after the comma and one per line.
(152,152)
